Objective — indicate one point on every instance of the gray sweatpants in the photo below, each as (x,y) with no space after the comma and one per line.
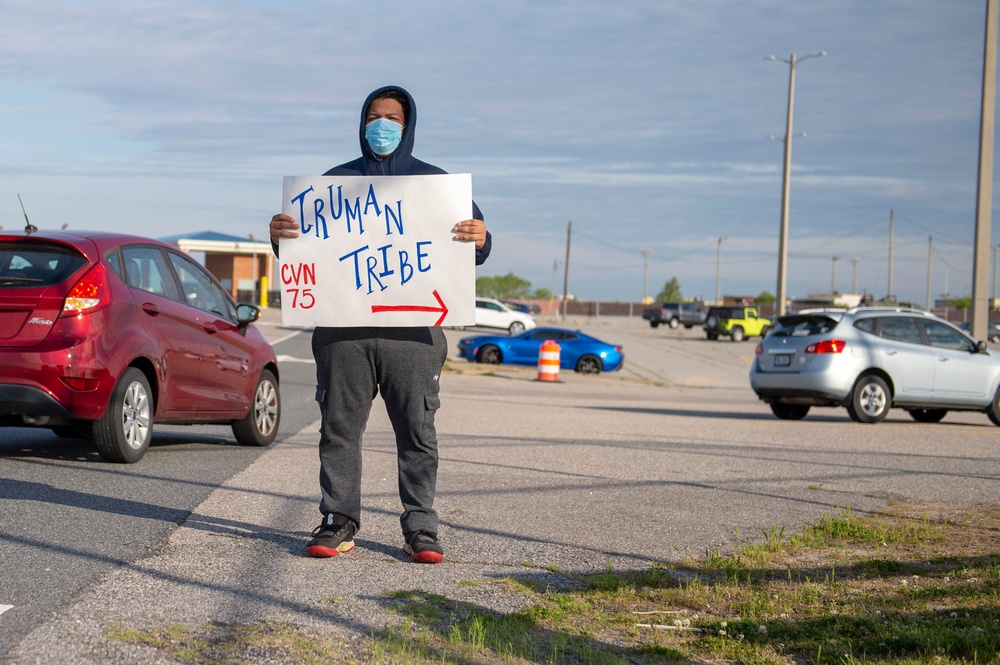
(352,366)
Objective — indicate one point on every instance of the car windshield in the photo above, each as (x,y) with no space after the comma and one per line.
(804,325)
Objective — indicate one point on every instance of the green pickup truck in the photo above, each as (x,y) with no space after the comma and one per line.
(736,323)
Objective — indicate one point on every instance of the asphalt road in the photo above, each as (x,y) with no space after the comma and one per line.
(67,518)
(669,458)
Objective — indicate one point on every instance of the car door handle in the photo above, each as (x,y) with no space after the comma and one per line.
(210,328)
(890,352)
(150,308)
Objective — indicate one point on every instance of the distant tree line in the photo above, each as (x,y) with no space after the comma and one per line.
(509,287)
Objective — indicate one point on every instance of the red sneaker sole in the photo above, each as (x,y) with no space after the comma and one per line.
(427,557)
(321,552)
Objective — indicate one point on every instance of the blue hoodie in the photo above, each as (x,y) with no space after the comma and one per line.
(401,161)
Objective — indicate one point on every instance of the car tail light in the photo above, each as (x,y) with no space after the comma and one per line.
(759,351)
(827,346)
(89,294)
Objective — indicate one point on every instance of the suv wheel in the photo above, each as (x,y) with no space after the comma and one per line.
(674,323)
(516,328)
(870,400)
(260,425)
(737,334)
(124,431)
(993,410)
(789,411)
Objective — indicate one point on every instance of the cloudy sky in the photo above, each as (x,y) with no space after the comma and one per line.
(649,124)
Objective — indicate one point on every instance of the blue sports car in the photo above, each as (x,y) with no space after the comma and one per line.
(577,351)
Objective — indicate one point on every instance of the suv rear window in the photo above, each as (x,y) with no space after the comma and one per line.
(804,325)
(32,264)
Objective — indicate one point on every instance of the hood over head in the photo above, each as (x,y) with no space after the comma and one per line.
(398,162)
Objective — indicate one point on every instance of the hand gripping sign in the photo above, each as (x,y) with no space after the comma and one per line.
(377,251)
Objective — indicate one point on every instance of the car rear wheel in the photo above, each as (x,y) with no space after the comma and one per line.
(789,411)
(928,415)
(993,410)
(653,324)
(260,425)
(712,336)
(516,328)
(124,432)
(490,355)
(737,334)
(589,365)
(870,400)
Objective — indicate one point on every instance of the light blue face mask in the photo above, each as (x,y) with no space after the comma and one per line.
(383,135)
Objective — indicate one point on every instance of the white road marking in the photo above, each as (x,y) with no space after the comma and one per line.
(4,608)
(293,359)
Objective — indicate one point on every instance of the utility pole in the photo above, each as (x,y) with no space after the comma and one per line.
(645,271)
(718,271)
(984,193)
(892,219)
(993,299)
(569,233)
(854,266)
(833,274)
(786,177)
(930,253)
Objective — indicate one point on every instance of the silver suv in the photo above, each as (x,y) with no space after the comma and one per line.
(869,359)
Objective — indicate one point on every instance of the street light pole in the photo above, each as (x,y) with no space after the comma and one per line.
(718,271)
(833,274)
(786,176)
(645,271)
(253,245)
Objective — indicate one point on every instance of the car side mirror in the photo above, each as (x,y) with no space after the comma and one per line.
(246,314)
(980,346)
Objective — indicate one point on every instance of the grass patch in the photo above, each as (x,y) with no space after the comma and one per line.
(914,584)
(229,644)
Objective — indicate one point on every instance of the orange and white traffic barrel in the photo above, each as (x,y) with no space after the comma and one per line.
(548,361)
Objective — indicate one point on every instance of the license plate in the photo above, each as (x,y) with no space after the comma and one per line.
(783,360)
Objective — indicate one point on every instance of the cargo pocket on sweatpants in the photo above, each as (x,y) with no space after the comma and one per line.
(431,404)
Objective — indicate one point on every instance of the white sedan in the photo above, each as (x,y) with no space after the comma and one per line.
(492,313)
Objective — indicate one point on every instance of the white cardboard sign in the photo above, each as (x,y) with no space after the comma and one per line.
(377,251)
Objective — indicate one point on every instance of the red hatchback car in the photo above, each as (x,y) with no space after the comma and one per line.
(103,334)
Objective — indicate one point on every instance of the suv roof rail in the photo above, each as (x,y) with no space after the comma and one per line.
(888,308)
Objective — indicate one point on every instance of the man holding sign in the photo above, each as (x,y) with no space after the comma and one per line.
(354,364)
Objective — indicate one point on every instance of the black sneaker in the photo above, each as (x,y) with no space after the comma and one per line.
(334,536)
(423,546)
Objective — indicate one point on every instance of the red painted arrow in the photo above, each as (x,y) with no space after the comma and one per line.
(415,308)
